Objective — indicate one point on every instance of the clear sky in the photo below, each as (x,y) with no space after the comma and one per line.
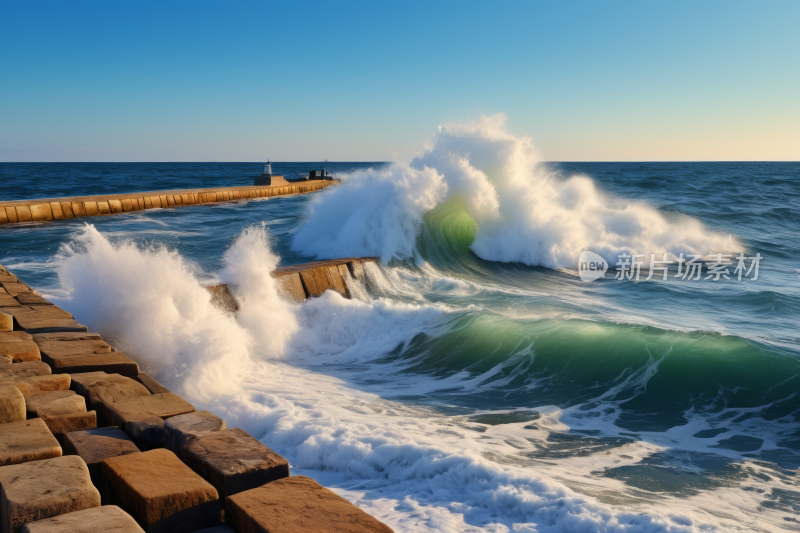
(194,80)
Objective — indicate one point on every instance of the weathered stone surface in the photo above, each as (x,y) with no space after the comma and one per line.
(222,299)
(7,300)
(142,418)
(180,429)
(11,336)
(94,445)
(6,322)
(290,286)
(161,492)
(41,489)
(297,504)
(28,440)
(20,350)
(105,519)
(54,403)
(31,298)
(101,387)
(73,347)
(233,461)
(152,385)
(15,288)
(61,424)
(112,362)
(12,404)
(6,359)
(14,371)
(43,319)
(37,384)
(65,336)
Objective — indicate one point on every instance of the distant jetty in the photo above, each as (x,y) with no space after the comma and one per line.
(110,204)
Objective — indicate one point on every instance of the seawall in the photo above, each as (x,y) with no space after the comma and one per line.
(44,209)
(89,443)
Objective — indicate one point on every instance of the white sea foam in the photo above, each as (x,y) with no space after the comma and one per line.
(411,466)
(524,212)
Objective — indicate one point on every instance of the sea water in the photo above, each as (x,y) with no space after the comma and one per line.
(474,382)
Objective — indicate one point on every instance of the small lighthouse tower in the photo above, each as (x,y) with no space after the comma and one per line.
(267,169)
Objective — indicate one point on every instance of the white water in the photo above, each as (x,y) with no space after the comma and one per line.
(524,213)
(282,372)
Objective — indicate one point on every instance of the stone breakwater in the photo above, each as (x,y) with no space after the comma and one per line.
(86,206)
(90,444)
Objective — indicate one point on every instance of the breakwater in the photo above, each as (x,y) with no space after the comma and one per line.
(89,443)
(40,210)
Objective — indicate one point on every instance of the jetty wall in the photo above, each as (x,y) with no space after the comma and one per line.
(90,443)
(44,209)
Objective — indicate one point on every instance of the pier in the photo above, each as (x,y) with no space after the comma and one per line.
(90,443)
(45,209)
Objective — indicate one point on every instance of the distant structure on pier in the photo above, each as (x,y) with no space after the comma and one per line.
(267,178)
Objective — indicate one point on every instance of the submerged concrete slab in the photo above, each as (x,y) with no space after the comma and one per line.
(233,461)
(43,489)
(105,519)
(161,492)
(294,504)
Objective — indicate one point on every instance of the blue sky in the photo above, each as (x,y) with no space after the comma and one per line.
(296,81)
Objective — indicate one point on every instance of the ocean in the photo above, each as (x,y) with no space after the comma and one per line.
(475,382)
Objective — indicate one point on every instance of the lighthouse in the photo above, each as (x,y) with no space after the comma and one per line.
(267,169)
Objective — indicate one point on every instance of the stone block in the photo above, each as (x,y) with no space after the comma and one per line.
(290,287)
(297,504)
(61,424)
(37,384)
(12,404)
(11,336)
(6,322)
(31,298)
(54,403)
(14,289)
(152,385)
(27,440)
(233,461)
(43,319)
(23,213)
(41,212)
(20,350)
(14,371)
(181,428)
(113,362)
(161,493)
(94,445)
(73,347)
(6,359)
(6,300)
(143,418)
(42,489)
(65,336)
(356,270)
(102,388)
(105,519)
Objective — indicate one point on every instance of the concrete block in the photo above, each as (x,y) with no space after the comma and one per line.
(336,279)
(114,362)
(11,214)
(233,461)
(95,445)
(66,210)
(43,489)
(143,418)
(14,371)
(41,212)
(6,300)
(182,428)
(103,208)
(20,350)
(6,359)
(73,347)
(27,440)
(55,208)
(105,519)
(151,384)
(115,206)
(23,213)
(61,424)
(43,319)
(9,336)
(65,336)
(15,288)
(161,493)
(297,504)
(6,322)
(79,209)
(12,404)
(127,205)
(290,287)
(101,387)
(31,298)
(54,403)
(356,270)
(31,385)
